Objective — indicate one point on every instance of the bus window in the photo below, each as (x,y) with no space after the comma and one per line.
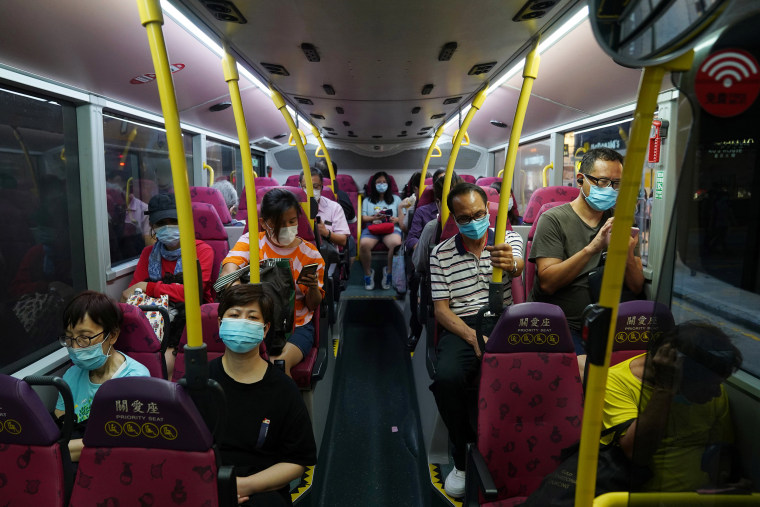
(529,166)
(41,246)
(226,161)
(137,168)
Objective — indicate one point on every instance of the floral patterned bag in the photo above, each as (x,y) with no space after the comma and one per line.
(155,318)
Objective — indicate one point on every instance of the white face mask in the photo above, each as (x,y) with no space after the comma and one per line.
(317,194)
(287,235)
(511,202)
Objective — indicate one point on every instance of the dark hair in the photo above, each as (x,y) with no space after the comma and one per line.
(245,294)
(465,188)
(414,182)
(314,172)
(704,343)
(438,185)
(438,172)
(102,310)
(374,195)
(322,166)
(604,154)
(496,185)
(274,204)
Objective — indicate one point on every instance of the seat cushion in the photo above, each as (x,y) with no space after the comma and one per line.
(301,372)
(31,475)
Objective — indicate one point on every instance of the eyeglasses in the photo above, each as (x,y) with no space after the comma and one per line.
(603,182)
(466,219)
(81,341)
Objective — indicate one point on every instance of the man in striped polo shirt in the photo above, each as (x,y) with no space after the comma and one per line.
(460,274)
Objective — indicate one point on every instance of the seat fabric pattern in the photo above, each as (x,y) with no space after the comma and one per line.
(487,180)
(210,333)
(547,194)
(209,229)
(212,196)
(138,340)
(637,323)
(427,196)
(264,181)
(468,178)
(347,183)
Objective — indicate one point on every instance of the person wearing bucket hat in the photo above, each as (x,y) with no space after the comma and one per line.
(159,270)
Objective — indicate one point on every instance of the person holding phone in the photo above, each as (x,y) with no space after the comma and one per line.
(279,214)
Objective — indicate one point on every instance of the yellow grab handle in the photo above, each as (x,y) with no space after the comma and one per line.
(614,271)
(325,155)
(543,174)
(358,223)
(436,152)
(229,66)
(210,174)
(129,187)
(500,173)
(300,139)
(466,141)
(433,147)
(477,103)
(530,72)
(152,19)
(291,140)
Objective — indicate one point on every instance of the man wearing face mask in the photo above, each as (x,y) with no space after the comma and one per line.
(570,239)
(461,269)
(332,226)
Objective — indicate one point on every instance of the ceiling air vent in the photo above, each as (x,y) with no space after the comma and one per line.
(416,110)
(403,132)
(339,110)
(328,89)
(481,68)
(409,123)
(220,106)
(304,101)
(347,124)
(376,137)
(426,128)
(401,135)
(280,136)
(317,116)
(329,129)
(447,51)
(497,123)
(275,68)
(452,100)
(310,51)
(224,11)
(436,116)
(422,132)
(427,89)
(534,9)
(351,134)
(265,143)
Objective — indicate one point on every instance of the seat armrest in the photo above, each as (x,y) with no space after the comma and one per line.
(226,486)
(320,365)
(478,478)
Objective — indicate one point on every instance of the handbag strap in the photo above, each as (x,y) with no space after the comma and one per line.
(618,429)
(224,281)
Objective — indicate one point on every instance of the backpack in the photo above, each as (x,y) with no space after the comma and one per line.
(277,281)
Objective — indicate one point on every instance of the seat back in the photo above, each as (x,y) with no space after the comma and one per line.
(326,192)
(491,194)
(210,332)
(544,195)
(145,444)
(485,181)
(530,397)
(209,229)
(31,463)
(138,340)
(264,181)
(213,197)
(637,323)
(294,180)
(427,196)
(469,178)
(346,183)
(530,267)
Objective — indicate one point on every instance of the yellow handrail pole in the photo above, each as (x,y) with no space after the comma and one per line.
(210,174)
(152,18)
(358,223)
(477,103)
(543,174)
(279,102)
(530,73)
(129,187)
(130,140)
(686,499)
(612,281)
(427,158)
(321,142)
(229,66)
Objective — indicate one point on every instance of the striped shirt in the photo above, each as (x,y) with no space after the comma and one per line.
(461,278)
(302,255)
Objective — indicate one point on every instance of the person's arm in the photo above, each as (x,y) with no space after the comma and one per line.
(314,293)
(139,276)
(449,320)
(415,229)
(508,255)
(237,258)
(634,272)
(554,274)
(269,479)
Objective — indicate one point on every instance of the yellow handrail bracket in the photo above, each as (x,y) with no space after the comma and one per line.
(433,147)
(325,154)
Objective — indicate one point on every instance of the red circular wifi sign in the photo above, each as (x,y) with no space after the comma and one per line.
(728,82)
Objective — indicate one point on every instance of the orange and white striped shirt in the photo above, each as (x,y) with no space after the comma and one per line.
(302,255)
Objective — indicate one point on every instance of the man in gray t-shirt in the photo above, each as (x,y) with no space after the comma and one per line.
(570,239)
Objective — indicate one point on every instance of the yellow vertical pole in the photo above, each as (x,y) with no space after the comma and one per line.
(321,142)
(530,73)
(152,19)
(229,66)
(614,271)
(477,103)
(279,102)
(423,174)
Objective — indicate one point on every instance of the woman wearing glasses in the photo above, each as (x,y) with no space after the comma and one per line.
(91,323)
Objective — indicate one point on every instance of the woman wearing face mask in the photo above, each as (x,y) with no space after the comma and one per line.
(379,203)
(91,324)
(279,214)
(268,436)
(159,270)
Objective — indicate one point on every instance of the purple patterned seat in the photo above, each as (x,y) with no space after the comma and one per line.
(294,180)
(138,340)
(265,181)
(637,323)
(210,333)
(209,229)
(31,448)
(485,181)
(213,197)
(547,194)
(469,178)
(427,197)
(346,183)
(146,444)
(530,400)
(491,194)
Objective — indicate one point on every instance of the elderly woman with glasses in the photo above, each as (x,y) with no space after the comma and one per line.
(91,323)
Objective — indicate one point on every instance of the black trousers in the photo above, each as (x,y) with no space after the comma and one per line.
(455,387)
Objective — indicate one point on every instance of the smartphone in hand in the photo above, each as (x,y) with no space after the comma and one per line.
(309,269)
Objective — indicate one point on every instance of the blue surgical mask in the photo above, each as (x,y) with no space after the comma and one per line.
(241,335)
(381,187)
(89,358)
(600,199)
(476,228)
(168,235)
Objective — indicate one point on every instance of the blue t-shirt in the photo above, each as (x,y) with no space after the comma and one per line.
(83,390)
(370,208)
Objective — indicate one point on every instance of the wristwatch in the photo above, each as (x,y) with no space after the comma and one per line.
(514,267)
